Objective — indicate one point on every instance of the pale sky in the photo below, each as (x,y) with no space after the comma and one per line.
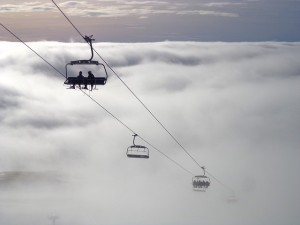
(143,21)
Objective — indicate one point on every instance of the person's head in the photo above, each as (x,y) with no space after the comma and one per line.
(89,72)
(80,72)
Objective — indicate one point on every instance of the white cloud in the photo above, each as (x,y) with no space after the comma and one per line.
(208,13)
(234,106)
(146,2)
(26,7)
(113,8)
(222,4)
(73,3)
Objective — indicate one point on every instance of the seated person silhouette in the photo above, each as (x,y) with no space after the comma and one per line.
(90,80)
(79,80)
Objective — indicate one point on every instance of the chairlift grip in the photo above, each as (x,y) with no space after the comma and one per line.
(89,40)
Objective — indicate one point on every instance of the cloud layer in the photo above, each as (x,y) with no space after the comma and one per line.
(116,8)
(234,106)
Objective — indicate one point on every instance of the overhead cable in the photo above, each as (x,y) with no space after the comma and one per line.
(95,101)
(143,104)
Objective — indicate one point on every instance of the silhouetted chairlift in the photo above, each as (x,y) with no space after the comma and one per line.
(201,182)
(137,151)
(73,79)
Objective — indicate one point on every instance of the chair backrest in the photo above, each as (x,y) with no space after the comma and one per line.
(137,151)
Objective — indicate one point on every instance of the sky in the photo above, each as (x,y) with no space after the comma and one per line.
(233,106)
(154,20)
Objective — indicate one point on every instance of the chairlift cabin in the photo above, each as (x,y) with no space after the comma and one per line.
(201,182)
(137,151)
(86,72)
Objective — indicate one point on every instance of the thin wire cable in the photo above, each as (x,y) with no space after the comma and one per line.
(95,101)
(211,175)
(139,135)
(32,50)
(68,19)
(161,124)
(220,182)
(151,113)
(143,104)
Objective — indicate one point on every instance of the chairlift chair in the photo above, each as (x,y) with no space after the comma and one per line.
(137,151)
(99,79)
(201,182)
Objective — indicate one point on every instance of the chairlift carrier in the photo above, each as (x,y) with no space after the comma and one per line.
(201,182)
(71,80)
(137,151)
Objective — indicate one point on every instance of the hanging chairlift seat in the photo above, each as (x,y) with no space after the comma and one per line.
(85,80)
(137,151)
(201,182)
(74,79)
